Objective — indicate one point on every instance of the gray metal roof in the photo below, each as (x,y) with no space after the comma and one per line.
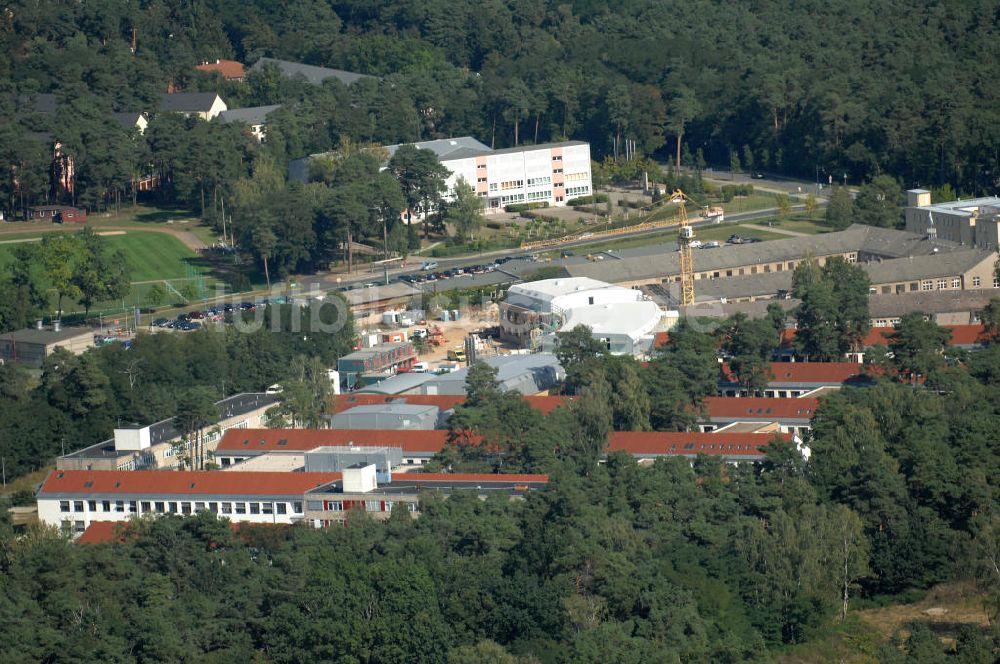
(857,238)
(30,335)
(914,268)
(128,119)
(187,102)
(447,148)
(398,384)
(165,430)
(527,374)
(390,409)
(930,302)
(747,286)
(540,146)
(963,208)
(252,115)
(372,294)
(311,73)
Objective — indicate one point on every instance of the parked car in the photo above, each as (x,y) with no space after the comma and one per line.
(160,322)
(419,367)
(456,355)
(428,266)
(196,315)
(713,244)
(696,244)
(757,175)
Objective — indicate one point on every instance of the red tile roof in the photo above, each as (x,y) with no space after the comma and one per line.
(301,440)
(103,532)
(961,335)
(831,373)
(230,69)
(342,402)
(181,483)
(760,408)
(670,442)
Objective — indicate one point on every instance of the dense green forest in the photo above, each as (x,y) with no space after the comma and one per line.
(815,89)
(701,562)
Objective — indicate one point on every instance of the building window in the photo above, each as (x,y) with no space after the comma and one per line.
(77,505)
(119,505)
(266,508)
(927,285)
(145,506)
(976,282)
(185,508)
(512,184)
(64,506)
(557,158)
(92,504)
(559,199)
(199,507)
(213,508)
(481,167)
(413,507)
(172,507)
(315,505)
(240,508)
(556,171)
(388,505)
(227,508)
(334,506)
(956,282)
(373,506)
(493,186)
(942,284)
(281,508)
(106,505)
(254,508)
(133,506)
(159,507)
(297,507)
(886,290)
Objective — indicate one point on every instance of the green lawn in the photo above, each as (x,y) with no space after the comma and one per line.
(149,255)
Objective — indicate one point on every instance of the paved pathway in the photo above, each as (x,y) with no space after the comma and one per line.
(775,229)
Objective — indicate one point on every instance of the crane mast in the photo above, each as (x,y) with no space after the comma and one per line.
(685,233)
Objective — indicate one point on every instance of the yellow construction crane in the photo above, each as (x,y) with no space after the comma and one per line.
(685,234)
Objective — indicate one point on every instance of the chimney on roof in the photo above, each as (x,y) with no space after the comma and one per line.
(56,325)
(38,324)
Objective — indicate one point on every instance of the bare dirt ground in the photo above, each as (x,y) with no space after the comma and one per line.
(473,320)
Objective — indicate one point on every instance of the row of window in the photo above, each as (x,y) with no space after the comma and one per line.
(539,195)
(513,198)
(506,185)
(576,177)
(535,182)
(577,191)
(178,507)
(370,505)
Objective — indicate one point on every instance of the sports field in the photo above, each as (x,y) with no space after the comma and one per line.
(149,255)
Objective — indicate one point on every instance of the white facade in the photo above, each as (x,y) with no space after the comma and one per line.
(626,328)
(551,295)
(550,173)
(75,513)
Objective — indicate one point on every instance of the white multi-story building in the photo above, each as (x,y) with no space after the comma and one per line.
(552,173)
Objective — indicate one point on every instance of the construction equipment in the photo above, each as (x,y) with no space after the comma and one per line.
(685,234)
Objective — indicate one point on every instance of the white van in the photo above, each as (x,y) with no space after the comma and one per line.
(419,367)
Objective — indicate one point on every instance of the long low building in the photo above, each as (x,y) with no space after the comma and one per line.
(798,379)
(759,414)
(896,261)
(418,447)
(73,500)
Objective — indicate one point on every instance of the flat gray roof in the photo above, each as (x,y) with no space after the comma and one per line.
(30,335)
(311,73)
